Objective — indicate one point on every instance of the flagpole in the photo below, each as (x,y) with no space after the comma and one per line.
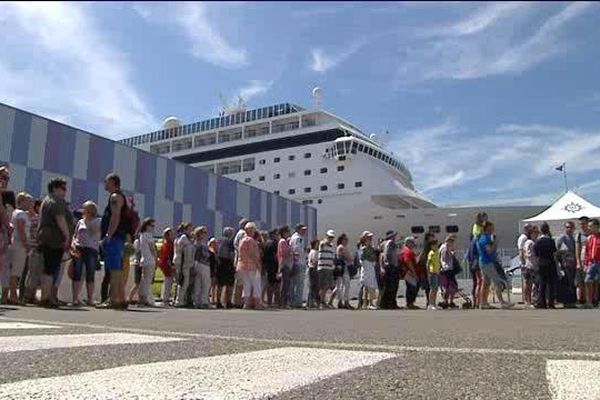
(565,176)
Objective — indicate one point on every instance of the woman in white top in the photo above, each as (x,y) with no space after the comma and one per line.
(183,260)
(342,284)
(368,277)
(86,241)
(147,261)
(530,264)
(19,249)
(201,268)
(313,275)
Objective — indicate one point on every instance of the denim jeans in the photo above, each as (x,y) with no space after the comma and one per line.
(286,290)
(297,284)
(89,260)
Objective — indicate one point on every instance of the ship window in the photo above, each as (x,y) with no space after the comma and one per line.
(307,172)
(341,186)
(342,158)
(292,191)
(378,217)
(370,151)
(262,162)
(340,168)
(360,147)
(358,184)
(452,229)
(434,229)
(417,230)
(276,192)
(320,201)
(323,170)
(305,202)
(253,115)
(276,176)
(292,158)
(307,190)
(354,146)
(291,174)
(323,188)
(247,180)
(276,159)
(248,164)
(307,155)
(261,178)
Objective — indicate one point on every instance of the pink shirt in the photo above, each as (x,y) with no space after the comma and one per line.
(249,255)
(284,253)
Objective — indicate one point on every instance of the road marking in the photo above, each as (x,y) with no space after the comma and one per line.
(253,375)
(573,379)
(335,345)
(23,325)
(9,344)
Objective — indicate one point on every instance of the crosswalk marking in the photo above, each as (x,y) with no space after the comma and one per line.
(573,379)
(24,325)
(45,342)
(250,375)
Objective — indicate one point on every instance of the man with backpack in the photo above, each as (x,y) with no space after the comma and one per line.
(118,220)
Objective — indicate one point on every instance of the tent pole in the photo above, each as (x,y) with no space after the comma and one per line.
(565,176)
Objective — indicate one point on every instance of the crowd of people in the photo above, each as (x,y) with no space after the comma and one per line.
(254,269)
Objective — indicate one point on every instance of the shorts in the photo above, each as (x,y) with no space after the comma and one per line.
(434,280)
(325,279)
(52,261)
(89,260)
(448,282)
(592,273)
(17,260)
(490,274)
(112,249)
(528,274)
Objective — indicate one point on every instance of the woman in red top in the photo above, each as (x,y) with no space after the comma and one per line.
(165,263)
(592,263)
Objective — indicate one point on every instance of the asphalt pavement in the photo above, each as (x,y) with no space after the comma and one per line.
(295,354)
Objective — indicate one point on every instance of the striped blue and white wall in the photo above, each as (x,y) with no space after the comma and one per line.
(37,149)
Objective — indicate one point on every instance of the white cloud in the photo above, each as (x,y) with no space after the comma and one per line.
(192,20)
(322,62)
(57,63)
(480,20)
(254,88)
(512,158)
(481,46)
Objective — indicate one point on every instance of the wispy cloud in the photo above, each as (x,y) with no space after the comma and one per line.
(481,46)
(254,88)
(322,62)
(205,40)
(57,62)
(448,155)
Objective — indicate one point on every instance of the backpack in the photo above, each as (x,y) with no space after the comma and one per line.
(131,217)
(354,266)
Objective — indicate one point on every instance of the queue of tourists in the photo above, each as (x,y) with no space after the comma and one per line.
(248,268)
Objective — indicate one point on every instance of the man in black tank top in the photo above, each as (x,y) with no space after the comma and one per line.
(114,233)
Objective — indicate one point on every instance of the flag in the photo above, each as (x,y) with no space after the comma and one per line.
(560,168)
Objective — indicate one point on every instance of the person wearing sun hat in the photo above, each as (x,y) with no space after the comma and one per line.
(325,265)
(368,277)
(391,272)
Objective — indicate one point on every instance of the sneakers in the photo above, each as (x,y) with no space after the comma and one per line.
(372,307)
(506,306)
(486,307)
(432,308)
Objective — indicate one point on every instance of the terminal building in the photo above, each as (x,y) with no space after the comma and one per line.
(36,149)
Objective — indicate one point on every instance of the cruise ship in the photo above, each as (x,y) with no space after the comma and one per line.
(317,158)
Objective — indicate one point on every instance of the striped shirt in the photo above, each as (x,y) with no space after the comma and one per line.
(33,236)
(326,255)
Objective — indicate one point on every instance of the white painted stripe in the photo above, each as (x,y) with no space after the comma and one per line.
(37,144)
(335,345)
(80,159)
(124,158)
(24,325)
(253,375)
(573,379)
(7,126)
(45,342)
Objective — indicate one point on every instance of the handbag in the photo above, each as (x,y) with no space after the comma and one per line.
(456,267)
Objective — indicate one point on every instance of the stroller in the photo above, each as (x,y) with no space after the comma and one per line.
(467,302)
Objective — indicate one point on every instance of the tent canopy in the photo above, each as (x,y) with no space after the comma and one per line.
(569,206)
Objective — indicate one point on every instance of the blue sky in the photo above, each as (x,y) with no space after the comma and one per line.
(482,100)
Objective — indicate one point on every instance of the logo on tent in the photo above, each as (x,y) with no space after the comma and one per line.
(573,207)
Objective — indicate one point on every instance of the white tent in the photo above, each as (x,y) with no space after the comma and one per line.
(569,207)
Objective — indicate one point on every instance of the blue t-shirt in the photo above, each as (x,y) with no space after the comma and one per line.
(484,256)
